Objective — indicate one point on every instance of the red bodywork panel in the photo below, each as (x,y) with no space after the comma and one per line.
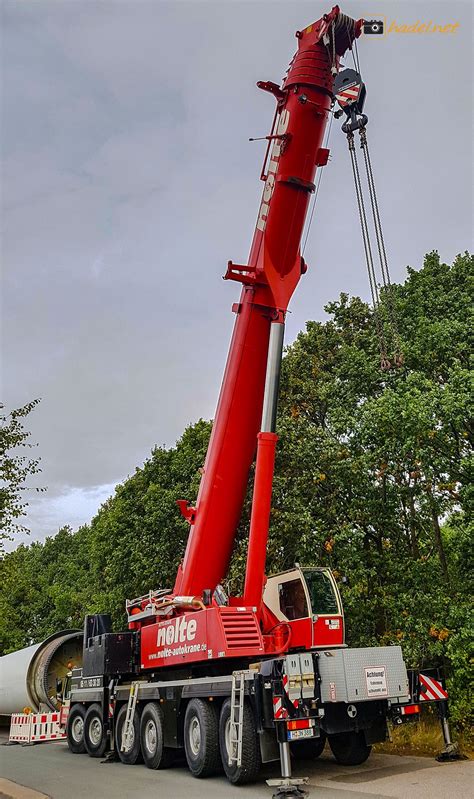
(206,634)
(222,632)
(326,631)
(269,280)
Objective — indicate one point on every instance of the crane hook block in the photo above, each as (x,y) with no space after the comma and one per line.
(349,91)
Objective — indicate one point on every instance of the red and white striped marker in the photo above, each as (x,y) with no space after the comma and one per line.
(431,689)
(348,95)
(279,712)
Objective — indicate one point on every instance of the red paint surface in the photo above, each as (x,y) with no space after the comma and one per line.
(207,634)
(324,634)
(261,506)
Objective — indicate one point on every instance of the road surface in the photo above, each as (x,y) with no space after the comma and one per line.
(53,771)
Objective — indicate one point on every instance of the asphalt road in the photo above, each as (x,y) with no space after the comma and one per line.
(51,769)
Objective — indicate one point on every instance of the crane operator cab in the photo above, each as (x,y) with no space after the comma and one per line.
(308,600)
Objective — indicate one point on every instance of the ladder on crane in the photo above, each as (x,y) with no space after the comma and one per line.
(236,718)
(126,741)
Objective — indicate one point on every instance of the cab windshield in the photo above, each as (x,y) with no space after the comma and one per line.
(321,591)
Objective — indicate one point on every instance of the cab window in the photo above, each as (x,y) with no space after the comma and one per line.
(321,591)
(67,687)
(293,602)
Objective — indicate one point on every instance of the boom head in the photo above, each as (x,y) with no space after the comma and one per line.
(294,152)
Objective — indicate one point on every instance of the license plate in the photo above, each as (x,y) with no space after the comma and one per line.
(295,735)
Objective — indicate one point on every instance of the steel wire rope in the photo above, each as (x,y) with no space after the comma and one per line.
(318,184)
(384,267)
(368,252)
(355,56)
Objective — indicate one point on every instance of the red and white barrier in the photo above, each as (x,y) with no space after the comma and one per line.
(34,727)
(20,726)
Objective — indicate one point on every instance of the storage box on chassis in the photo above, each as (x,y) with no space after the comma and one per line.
(359,675)
(109,653)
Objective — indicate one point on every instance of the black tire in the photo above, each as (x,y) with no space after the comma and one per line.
(251,760)
(131,755)
(75,730)
(308,749)
(155,754)
(95,737)
(349,748)
(201,738)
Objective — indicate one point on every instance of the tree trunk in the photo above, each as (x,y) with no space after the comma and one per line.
(413,537)
(439,542)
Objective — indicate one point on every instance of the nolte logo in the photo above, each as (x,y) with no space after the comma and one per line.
(272,168)
(179,631)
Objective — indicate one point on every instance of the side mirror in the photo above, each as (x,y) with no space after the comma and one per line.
(59,688)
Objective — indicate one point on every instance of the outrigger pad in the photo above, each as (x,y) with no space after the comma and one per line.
(451,752)
(286,791)
(111,757)
(289,788)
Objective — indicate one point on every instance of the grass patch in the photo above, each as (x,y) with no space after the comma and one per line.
(424,738)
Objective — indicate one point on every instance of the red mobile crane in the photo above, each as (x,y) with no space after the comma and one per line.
(268,668)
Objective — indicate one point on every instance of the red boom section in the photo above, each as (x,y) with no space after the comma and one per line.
(270,278)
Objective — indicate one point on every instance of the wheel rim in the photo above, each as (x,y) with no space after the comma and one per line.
(150,736)
(194,735)
(95,731)
(77,729)
(130,740)
(227,735)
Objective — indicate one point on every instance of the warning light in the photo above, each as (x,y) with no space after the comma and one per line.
(409,710)
(300,724)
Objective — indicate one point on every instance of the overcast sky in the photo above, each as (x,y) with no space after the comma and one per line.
(129,182)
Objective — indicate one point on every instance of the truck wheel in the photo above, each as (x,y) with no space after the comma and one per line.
(201,738)
(132,753)
(248,771)
(349,748)
(309,749)
(155,754)
(75,730)
(95,737)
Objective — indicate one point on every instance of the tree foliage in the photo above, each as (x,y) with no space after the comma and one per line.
(16,466)
(372,479)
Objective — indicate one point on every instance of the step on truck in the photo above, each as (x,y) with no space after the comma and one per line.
(236,681)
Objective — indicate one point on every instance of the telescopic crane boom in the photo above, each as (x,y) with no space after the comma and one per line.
(269,279)
(262,620)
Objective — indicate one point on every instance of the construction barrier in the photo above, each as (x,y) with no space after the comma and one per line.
(35,727)
(20,728)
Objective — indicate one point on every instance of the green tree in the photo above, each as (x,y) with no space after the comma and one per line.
(372,479)
(16,466)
